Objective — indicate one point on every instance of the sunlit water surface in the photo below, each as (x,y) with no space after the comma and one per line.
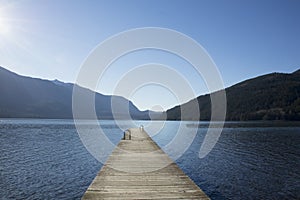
(45,159)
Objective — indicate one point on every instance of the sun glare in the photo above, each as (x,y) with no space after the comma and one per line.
(4,26)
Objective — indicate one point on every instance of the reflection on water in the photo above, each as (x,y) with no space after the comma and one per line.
(42,159)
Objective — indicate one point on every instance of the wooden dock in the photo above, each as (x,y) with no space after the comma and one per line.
(139,169)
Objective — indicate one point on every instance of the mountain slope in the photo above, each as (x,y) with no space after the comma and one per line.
(35,98)
(273,96)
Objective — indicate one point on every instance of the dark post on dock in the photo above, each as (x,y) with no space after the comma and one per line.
(139,169)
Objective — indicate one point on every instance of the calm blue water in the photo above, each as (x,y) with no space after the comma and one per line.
(45,159)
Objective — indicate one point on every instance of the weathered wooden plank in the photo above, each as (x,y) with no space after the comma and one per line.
(139,169)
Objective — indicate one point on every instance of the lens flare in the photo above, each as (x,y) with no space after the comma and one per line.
(4,25)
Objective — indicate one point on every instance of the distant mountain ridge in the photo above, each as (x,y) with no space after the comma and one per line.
(274,96)
(25,97)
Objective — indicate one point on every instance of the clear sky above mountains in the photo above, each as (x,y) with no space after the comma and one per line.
(51,38)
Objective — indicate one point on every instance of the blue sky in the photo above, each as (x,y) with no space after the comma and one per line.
(50,39)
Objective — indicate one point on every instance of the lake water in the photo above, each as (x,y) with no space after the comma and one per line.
(45,159)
